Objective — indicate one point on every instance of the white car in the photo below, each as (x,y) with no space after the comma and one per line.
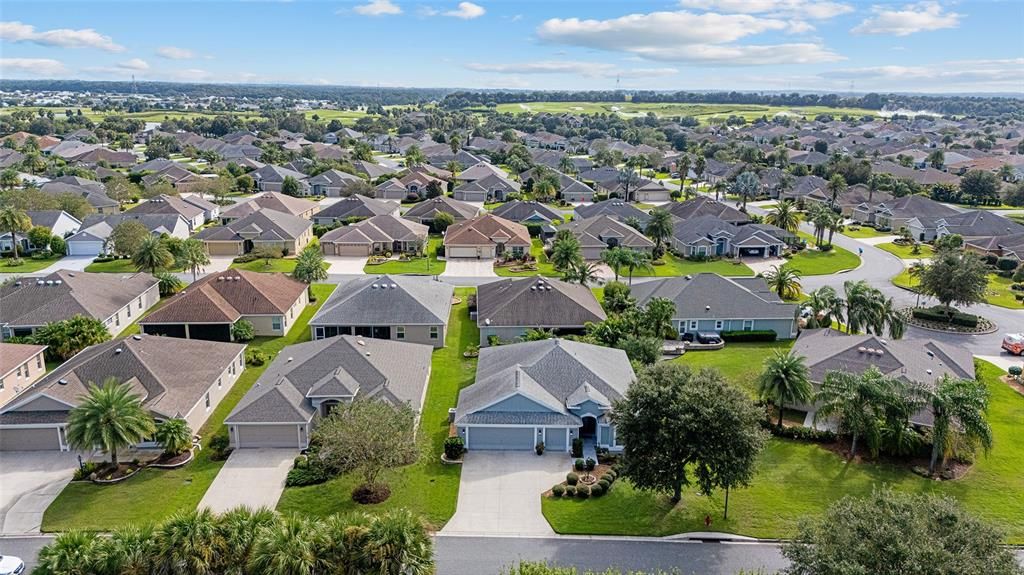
(11,565)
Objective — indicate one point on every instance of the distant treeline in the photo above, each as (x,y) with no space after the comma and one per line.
(959,105)
(350,95)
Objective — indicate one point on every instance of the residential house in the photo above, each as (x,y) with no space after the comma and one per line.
(528,212)
(332,183)
(211,211)
(710,303)
(1004,246)
(61,223)
(803,186)
(306,381)
(26,304)
(371,170)
(297,207)
(651,191)
(210,307)
(618,209)
(490,188)
(602,232)
(425,211)
(973,223)
(173,378)
(506,309)
(264,228)
(402,308)
(709,236)
(96,196)
(486,236)
(392,189)
(551,391)
(164,204)
(270,178)
(21,365)
(354,208)
(705,206)
(93,238)
(176,175)
(896,214)
(376,235)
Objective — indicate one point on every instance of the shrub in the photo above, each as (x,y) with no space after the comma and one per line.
(558,490)
(1015,370)
(220,446)
(753,335)
(15,262)
(591,464)
(800,432)
(825,247)
(87,469)
(1006,264)
(604,483)
(941,314)
(578,465)
(243,259)
(243,330)
(572,479)
(255,357)
(597,490)
(582,491)
(539,448)
(570,491)
(1018,276)
(577,447)
(454,447)
(312,474)
(299,461)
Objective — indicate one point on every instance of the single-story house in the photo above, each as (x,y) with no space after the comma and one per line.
(402,308)
(484,237)
(21,365)
(27,304)
(96,197)
(425,211)
(599,233)
(93,237)
(332,183)
(492,187)
(974,223)
(507,308)
(263,228)
(618,209)
(297,207)
(355,207)
(270,178)
(528,212)
(174,378)
(60,222)
(897,214)
(164,204)
(705,206)
(711,237)
(308,380)
(379,234)
(651,191)
(1008,246)
(210,307)
(710,303)
(551,391)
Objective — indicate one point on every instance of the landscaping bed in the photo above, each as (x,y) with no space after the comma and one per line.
(422,265)
(813,262)
(27,265)
(927,318)
(906,251)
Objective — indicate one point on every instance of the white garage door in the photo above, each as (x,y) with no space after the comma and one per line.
(36,439)
(267,436)
(84,248)
(351,250)
(461,252)
(501,438)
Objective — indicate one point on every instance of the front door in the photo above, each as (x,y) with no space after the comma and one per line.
(589,428)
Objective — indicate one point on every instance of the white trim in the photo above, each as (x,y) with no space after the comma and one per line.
(35,396)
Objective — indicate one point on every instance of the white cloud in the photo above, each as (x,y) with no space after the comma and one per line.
(175,53)
(686,37)
(62,38)
(378,8)
(587,69)
(33,66)
(135,64)
(809,9)
(962,75)
(912,18)
(190,75)
(466,11)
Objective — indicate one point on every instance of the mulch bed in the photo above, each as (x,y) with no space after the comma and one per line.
(370,494)
(598,472)
(166,459)
(110,473)
(1016,385)
(918,465)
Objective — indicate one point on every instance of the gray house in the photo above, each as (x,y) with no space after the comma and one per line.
(358,207)
(332,183)
(710,303)
(509,307)
(599,233)
(403,308)
(712,237)
(550,391)
(307,380)
(528,212)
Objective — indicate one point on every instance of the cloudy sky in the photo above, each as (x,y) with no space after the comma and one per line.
(928,46)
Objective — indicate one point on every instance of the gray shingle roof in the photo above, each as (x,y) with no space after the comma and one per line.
(519,211)
(357,207)
(268,225)
(597,230)
(712,296)
(387,300)
(536,302)
(428,208)
(387,228)
(617,209)
(65,294)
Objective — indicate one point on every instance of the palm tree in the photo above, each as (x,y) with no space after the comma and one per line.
(129,550)
(636,260)
(414,156)
(111,417)
(454,167)
(14,220)
(565,250)
(699,165)
(239,529)
(397,544)
(344,542)
(191,255)
(857,400)
(189,542)
(835,224)
(309,267)
(174,435)
(719,187)
(958,409)
(825,305)
(9,178)
(566,165)
(659,228)
(615,258)
(836,186)
(683,167)
(888,319)
(71,553)
(915,271)
(580,272)
(784,281)
(785,379)
(821,217)
(287,547)
(784,216)
(747,186)
(153,255)
(860,305)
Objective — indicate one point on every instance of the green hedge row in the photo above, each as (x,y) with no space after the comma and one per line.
(751,335)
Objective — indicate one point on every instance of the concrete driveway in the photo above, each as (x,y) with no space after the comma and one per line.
(29,482)
(469,268)
(345,265)
(250,477)
(500,492)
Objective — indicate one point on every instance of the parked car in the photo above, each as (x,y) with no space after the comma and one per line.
(10,565)
(1014,343)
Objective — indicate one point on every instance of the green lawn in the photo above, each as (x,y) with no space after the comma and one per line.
(428,487)
(155,494)
(812,262)
(675,266)
(906,252)
(704,112)
(428,265)
(740,363)
(544,267)
(28,265)
(863,232)
(282,265)
(799,480)
(118,266)
(1017,217)
(998,292)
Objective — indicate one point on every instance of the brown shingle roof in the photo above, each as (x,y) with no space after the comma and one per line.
(229,295)
(480,230)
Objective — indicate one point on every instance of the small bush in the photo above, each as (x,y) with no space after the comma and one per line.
(752,335)
(558,490)
(572,479)
(597,490)
(256,357)
(1006,264)
(220,446)
(800,432)
(577,447)
(243,259)
(1015,370)
(243,330)
(312,474)
(825,247)
(582,491)
(941,314)
(570,491)
(87,469)
(539,448)
(299,462)
(14,262)
(454,447)
(578,465)
(591,464)
(604,483)
(611,475)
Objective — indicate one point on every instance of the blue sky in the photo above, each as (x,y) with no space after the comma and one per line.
(966,46)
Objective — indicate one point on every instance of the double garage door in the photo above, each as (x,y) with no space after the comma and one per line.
(30,439)
(248,436)
(347,249)
(501,438)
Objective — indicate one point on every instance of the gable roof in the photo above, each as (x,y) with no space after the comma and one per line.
(705,206)
(228,295)
(386,228)
(427,209)
(617,209)
(64,294)
(711,296)
(270,200)
(518,211)
(357,207)
(536,302)
(593,232)
(483,229)
(387,300)
(164,204)
(265,225)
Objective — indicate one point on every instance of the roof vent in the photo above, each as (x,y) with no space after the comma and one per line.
(394,286)
(879,352)
(367,354)
(487,321)
(57,282)
(17,283)
(71,274)
(118,351)
(689,277)
(220,279)
(62,381)
(290,359)
(360,342)
(930,353)
(373,286)
(533,288)
(707,308)
(137,337)
(861,349)
(928,371)
(883,341)
(40,282)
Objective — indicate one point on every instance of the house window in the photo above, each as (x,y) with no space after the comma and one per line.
(129,308)
(39,362)
(318,333)
(207,400)
(434,331)
(1,385)
(276,324)
(140,302)
(693,324)
(400,332)
(117,320)
(218,383)
(748,325)
(241,361)
(718,324)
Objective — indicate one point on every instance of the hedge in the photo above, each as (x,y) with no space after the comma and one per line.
(751,335)
(939,314)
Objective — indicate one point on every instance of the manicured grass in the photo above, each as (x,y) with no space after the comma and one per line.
(813,262)
(544,267)
(282,265)
(155,494)
(118,266)
(28,265)
(133,328)
(740,363)
(1018,217)
(905,252)
(428,265)
(675,266)
(427,487)
(998,292)
(799,480)
(863,232)
(704,112)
